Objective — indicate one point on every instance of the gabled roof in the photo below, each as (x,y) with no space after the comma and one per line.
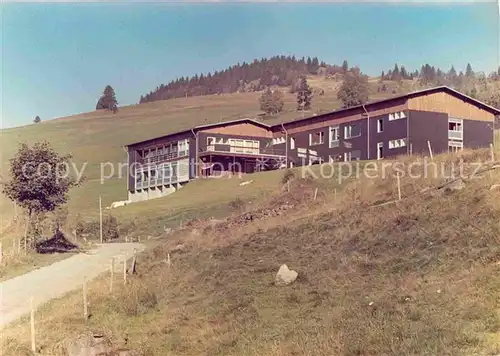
(207,126)
(413,94)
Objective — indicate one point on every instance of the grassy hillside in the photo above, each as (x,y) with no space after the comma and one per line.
(97,137)
(419,277)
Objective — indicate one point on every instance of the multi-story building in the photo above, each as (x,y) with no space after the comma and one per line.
(442,118)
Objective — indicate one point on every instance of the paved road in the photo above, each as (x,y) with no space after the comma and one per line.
(57,279)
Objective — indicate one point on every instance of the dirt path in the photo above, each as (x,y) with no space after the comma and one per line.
(59,278)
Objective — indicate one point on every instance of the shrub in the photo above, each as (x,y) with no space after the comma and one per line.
(92,228)
(287,176)
(237,204)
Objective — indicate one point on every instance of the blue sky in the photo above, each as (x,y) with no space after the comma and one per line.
(57,58)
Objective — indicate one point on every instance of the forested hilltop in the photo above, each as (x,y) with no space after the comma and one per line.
(285,71)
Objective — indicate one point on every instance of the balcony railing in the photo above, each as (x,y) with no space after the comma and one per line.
(457,135)
(246,150)
(149,183)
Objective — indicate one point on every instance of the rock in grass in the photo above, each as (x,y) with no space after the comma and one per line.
(285,276)
(90,344)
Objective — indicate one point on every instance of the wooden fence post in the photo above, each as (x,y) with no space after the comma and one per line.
(32,322)
(492,151)
(315,193)
(134,260)
(112,275)
(430,150)
(124,271)
(399,187)
(14,246)
(85,305)
(100,218)
(169,261)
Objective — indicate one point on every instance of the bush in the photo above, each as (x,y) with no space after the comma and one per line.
(237,204)
(92,228)
(287,176)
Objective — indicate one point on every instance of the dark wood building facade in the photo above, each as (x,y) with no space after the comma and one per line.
(445,118)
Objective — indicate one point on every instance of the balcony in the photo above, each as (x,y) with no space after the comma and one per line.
(455,135)
(254,151)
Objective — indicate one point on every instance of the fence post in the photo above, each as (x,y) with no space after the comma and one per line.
(315,193)
(100,217)
(492,151)
(134,260)
(169,261)
(85,310)
(125,271)
(430,150)
(32,322)
(112,275)
(1,253)
(399,187)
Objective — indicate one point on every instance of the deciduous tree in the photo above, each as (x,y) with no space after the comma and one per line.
(354,90)
(40,179)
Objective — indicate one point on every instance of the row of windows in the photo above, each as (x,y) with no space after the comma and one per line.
(397,115)
(166,152)
(233,145)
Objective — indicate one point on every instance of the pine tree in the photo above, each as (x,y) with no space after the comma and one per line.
(304,95)
(404,73)
(395,73)
(37,120)
(107,100)
(468,71)
(345,66)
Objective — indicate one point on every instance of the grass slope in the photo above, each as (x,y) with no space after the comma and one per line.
(420,277)
(97,137)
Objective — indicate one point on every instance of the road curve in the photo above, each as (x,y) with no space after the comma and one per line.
(58,279)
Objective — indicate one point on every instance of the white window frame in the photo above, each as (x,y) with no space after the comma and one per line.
(348,132)
(333,136)
(292,143)
(397,143)
(380,145)
(380,125)
(322,136)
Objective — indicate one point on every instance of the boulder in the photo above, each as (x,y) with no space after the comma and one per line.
(90,344)
(285,276)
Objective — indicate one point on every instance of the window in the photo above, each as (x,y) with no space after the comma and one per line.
(292,143)
(397,143)
(278,140)
(455,146)
(380,150)
(183,147)
(351,131)
(352,156)
(380,125)
(397,115)
(316,138)
(455,129)
(334,134)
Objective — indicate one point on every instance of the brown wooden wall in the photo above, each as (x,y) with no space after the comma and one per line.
(446,103)
(243,129)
